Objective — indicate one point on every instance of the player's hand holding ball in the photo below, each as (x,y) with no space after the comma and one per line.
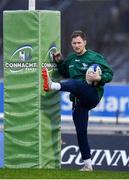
(93,74)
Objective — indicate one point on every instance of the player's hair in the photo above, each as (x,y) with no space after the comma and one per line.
(78,33)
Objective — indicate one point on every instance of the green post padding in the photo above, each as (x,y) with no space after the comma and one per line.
(32,116)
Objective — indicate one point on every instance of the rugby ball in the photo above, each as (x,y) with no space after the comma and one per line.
(93,69)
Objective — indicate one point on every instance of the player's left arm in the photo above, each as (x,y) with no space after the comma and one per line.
(107,73)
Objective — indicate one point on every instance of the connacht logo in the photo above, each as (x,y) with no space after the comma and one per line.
(48,60)
(22,54)
(50,52)
(20,59)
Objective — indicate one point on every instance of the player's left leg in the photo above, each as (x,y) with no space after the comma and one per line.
(80,118)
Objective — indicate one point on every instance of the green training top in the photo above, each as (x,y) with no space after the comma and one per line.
(75,67)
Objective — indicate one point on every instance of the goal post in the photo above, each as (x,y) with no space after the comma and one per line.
(32,133)
(31,4)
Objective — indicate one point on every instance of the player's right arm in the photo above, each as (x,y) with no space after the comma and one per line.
(58,57)
(61,64)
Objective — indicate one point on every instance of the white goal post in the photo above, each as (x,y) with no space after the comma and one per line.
(31,5)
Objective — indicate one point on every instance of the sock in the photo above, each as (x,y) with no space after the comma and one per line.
(88,161)
(55,86)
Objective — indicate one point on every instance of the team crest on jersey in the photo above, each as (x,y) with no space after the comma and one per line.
(84,66)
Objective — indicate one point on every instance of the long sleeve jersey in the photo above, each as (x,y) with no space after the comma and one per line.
(75,67)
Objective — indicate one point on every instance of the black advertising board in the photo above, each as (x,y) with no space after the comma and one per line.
(109,152)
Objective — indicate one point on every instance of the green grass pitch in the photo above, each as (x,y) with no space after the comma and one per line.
(60,174)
